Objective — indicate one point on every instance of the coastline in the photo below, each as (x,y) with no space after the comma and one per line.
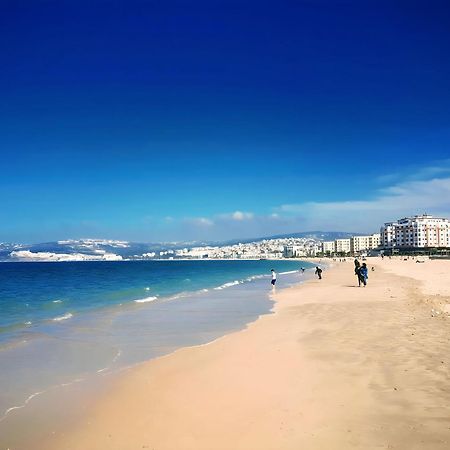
(335,367)
(141,332)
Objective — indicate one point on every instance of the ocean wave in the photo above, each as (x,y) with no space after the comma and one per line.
(147,288)
(35,394)
(57,301)
(256,277)
(28,323)
(290,271)
(118,354)
(146,300)
(27,400)
(116,357)
(229,284)
(180,295)
(64,317)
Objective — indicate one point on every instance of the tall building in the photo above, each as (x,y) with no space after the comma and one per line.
(363,243)
(416,232)
(374,241)
(342,246)
(328,247)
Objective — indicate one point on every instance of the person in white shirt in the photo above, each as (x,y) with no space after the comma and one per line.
(274,277)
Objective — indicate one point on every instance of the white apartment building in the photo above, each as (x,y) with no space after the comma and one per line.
(362,243)
(312,250)
(418,231)
(328,247)
(375,240)
(294,251)
(342,246)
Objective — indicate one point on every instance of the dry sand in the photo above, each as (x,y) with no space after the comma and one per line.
(336,367)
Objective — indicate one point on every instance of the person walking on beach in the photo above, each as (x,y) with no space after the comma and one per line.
(274,277)
(357,267)
(302,269)
(363,274)
(359,275)
(318,272)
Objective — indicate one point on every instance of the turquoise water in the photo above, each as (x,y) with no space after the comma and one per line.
(63,323)
(31,293)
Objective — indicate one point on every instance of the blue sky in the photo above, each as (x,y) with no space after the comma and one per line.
(184,120)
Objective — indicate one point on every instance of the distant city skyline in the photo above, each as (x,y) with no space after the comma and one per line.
(150,121)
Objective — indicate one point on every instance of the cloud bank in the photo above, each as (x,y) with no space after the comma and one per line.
(410,197)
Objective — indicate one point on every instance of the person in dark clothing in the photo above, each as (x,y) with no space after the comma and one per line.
(357,267)
(358,274)
(319,272)
(363,274)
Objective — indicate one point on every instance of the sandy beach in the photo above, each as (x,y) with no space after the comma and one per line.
(335,367)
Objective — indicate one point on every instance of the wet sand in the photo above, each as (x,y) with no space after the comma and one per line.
(335,367)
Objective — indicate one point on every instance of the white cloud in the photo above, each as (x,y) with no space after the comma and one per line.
(417,172)
(199,221)
(414,195)
(404,199)
(238,215)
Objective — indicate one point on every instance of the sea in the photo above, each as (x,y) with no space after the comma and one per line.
(62,323)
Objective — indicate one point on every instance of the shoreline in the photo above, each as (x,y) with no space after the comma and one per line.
(46,402)
(297,377)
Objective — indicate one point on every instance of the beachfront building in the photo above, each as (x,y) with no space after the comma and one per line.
(342,246)
(313,249)
(328,247)
(422,231)
(360,244)
(375,240)
(294,251)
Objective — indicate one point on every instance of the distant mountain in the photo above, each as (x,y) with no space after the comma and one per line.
(113,250)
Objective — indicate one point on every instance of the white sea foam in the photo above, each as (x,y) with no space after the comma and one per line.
(27,400)
(256,277)
(116,357)
(64,317)
(179,295)
(28,323)
(119,352)
(147,288)
(290,271)
(227,285)
(35,394)
(57,301)
(146,300)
